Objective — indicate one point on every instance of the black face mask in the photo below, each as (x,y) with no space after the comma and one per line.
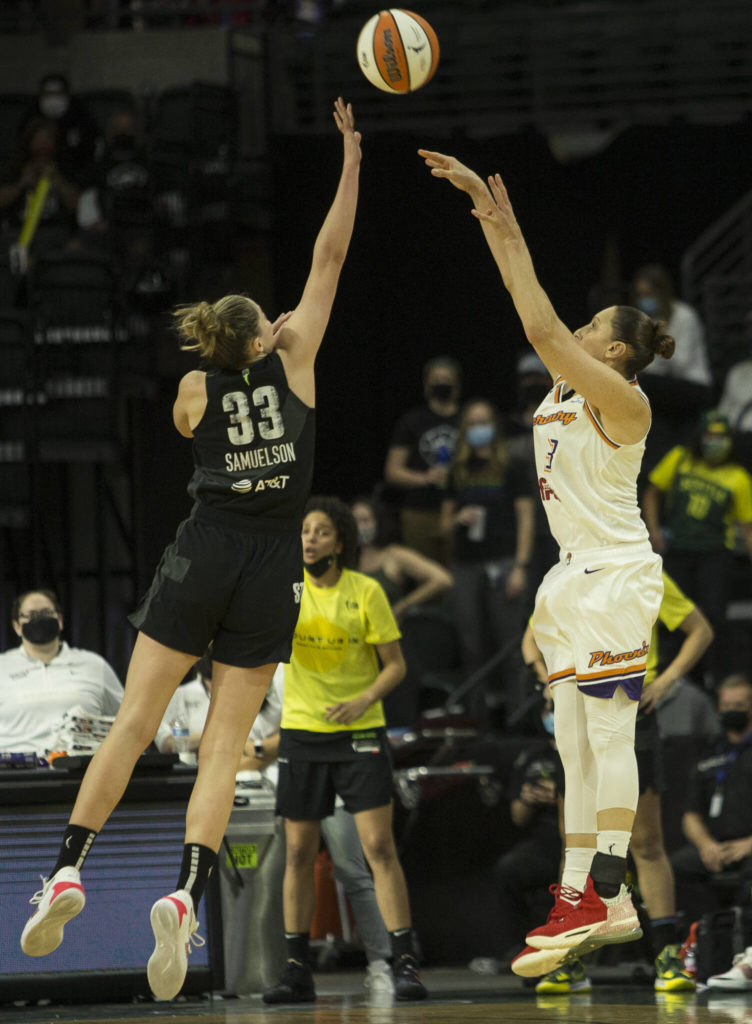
(735,721)
(42,630)
(320,566)
(441,392)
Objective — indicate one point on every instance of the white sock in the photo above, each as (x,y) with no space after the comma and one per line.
(577,860)
(613,843)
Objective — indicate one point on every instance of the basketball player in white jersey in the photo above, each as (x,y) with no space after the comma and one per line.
(595,608)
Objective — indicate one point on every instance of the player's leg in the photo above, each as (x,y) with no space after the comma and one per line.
(236,696)
(299,900)
(343,842)
(656,879)
(153,676)
(375,830)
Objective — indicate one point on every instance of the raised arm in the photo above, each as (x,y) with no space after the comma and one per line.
(601,385)
(301,335)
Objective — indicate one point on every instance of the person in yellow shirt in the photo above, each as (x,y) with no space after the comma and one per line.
(698,497)
(648,851)
(346,657)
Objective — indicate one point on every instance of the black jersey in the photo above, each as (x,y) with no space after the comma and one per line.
(253,448)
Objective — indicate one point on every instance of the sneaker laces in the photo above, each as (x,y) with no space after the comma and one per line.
(566,899)
(39,896)
(194,939)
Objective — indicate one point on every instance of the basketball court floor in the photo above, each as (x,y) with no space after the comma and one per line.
(457,996)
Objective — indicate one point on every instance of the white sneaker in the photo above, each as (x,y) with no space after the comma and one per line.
(738,978)
(378,979)
(174,924)
(60,898)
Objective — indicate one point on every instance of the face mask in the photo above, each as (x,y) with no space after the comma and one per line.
(42,630)
(480,435)
(547,718)
(735,721)
(319,567)
(366,534)
(441,392)
(648,304)
(714,449)
(54,105)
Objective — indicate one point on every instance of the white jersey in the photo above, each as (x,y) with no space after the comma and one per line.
(587,482)
(34,696)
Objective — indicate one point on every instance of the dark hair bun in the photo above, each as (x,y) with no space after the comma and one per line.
(662,344)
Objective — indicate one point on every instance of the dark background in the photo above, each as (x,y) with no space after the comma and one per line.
(419,280)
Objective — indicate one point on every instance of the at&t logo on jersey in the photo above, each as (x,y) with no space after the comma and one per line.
(546,490)
(607,658)
(274,483)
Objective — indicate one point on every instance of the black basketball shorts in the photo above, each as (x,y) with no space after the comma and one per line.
(235,587)
(306,790)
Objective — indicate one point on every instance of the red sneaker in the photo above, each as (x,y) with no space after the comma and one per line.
(592,923)
(566,901)
(532,963)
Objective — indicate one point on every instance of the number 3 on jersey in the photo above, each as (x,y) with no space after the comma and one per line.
(554,444)
(271,424)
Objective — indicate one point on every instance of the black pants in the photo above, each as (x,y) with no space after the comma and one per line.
(695,892)
(705,577)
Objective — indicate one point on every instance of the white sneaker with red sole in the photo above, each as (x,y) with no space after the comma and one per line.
(60,899)
(174,924)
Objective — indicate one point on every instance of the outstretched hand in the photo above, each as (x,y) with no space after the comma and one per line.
(449,167)
(345,121)
(500,215)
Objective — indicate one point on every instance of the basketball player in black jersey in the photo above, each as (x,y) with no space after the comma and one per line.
(233,576)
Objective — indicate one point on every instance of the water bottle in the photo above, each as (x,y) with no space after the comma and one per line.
(181,738)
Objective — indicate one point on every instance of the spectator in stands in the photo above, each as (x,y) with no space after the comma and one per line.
(718,817)
(43,678)
(419,454)
(409,579)
(34,162)
(489,514)
(736,401)
(116,211)
(78,138)
(190,703)
(695,497)
(678,388)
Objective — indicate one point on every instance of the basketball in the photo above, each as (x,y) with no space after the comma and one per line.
(398,51)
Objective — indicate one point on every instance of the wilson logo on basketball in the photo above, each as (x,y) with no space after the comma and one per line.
(607,658)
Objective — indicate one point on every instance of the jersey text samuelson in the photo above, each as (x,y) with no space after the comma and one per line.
(256,458)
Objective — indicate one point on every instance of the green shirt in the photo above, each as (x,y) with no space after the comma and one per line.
(702,501)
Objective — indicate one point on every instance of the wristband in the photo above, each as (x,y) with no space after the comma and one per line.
(258,750)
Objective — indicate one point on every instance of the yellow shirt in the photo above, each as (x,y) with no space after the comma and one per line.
(334,652)
(675,607)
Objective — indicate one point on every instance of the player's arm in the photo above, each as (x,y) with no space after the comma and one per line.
(190,403)
(699,636)
(392,673)
(651,513)
(625,415)
(433,579)
(301,335)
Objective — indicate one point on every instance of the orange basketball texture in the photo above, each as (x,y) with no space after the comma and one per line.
(398,51)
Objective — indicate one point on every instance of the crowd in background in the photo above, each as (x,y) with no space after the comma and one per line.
(454,530)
